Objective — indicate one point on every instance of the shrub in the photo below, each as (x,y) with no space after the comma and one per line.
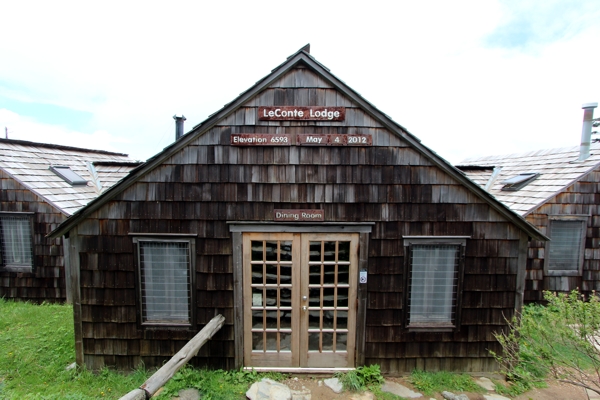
(361,378)
(559,340)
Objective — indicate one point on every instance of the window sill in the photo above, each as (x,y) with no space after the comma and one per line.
(159,326)
(557,272)
(17,268)
(431,327)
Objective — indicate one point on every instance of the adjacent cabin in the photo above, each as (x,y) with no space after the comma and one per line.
(40,186)
(327,235)
(558,191)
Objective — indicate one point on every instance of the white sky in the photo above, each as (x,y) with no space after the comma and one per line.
(466,77)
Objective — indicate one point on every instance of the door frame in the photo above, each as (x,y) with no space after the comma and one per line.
(238,228)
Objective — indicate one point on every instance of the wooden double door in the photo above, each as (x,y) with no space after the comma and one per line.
(299,299)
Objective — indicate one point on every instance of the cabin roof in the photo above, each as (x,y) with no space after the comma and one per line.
(555,170)
(301,58)
(30,164)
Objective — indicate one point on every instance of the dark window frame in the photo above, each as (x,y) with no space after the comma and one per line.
(190,240)
(17,267)
(554,219)
(409,243)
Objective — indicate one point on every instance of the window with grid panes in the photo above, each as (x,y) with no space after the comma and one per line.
(434,270)
(17,241)
(566,246)
(165,274)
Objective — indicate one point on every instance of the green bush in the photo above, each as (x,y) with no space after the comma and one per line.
(558,340)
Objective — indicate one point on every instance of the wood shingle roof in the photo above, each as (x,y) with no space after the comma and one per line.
(29,163)
(557,169)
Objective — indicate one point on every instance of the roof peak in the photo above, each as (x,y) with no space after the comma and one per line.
(304,49)
(59,147)
(472,161)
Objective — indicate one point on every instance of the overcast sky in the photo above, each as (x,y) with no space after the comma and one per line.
(466,77)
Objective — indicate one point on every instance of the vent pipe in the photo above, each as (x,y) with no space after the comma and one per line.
(178,126)
(586,130)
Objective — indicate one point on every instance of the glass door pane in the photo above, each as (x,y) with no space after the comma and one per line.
(329,267)
(271,266)
(328,295)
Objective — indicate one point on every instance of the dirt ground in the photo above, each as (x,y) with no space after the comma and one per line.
(555,391)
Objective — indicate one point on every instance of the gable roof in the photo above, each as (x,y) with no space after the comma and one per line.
(29,163)
(301,58)
(557,169)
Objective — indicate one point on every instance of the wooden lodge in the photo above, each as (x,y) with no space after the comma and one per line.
(558,191)
(325,233)
(40,186)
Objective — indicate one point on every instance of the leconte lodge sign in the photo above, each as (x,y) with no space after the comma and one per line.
(293,113)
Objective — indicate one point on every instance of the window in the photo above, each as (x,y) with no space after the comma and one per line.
(564,251)
(165,268)
(17,238)
(70,176)
(519,181)
(433,282)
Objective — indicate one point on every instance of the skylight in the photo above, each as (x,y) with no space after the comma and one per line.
(68,175)
(519,181)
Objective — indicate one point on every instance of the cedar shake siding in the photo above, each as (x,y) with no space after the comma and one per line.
(579,199)
(202,187)
(44,280)
(563,197)
(34,201)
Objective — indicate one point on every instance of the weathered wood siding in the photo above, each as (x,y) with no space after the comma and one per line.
(581,198)
(210,182)
(46,282)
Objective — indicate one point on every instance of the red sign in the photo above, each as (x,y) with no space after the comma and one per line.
(260,139)
(293,113)
(304,139)
(301,139)
(299,215)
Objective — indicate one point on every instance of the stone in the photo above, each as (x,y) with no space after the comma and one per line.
(71,366)
(362,396)
(486,383)
(399,390)
(334,384)
(592,395)
(303,394)
(494,396)
(268,389)
(189,394)
(452,396)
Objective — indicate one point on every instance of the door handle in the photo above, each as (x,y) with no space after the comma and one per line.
(304,308)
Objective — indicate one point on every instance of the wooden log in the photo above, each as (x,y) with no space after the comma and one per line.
(166,372)
(136,394)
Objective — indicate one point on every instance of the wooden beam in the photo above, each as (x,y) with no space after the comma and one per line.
(74,281)
(361,299)
(238,297)
(162,376)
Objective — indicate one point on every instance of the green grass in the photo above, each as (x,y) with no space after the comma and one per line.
(37,344)
(437,382)
(215,384)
